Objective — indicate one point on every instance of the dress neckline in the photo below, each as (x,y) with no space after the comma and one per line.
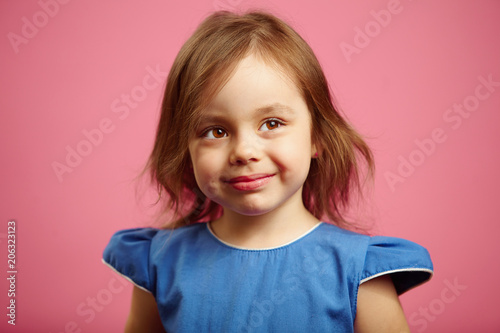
(209,228)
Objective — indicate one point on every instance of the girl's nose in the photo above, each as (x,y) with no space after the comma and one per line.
(244,151)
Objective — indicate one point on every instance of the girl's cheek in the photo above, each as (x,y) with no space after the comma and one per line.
(209,189)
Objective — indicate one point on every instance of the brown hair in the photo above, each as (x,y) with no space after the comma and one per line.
(203,65)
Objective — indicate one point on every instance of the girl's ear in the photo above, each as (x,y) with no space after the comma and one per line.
(315,150)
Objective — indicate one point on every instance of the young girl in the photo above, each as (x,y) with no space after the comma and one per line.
(251,154)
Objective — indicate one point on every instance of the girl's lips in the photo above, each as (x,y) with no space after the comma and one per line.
(249,183)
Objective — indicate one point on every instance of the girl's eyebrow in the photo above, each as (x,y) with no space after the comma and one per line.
(275,107)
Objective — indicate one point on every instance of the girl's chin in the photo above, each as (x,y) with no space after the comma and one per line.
(248,211)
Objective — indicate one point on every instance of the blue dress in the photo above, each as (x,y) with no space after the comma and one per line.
(202,284)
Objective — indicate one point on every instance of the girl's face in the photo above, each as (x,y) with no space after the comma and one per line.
(252,150)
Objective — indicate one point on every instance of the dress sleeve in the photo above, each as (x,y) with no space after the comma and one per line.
(408,263)
(128,253)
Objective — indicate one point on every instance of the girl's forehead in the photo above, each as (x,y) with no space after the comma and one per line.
(270,63)
(255,76)
(255,90)
(254,83)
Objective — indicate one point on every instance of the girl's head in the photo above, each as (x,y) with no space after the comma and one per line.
(222,45)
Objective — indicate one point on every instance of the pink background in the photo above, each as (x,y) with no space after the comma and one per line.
(64,74)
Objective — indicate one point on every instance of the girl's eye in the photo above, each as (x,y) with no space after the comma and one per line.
(270,125)
(215,133)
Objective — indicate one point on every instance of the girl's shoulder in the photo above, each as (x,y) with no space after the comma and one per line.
(408,263)
(130,252)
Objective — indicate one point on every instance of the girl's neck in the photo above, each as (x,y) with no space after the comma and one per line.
(271,229)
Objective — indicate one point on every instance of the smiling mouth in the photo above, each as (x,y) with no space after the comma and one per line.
(249,183)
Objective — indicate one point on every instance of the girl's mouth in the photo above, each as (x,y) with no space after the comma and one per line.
(251,182)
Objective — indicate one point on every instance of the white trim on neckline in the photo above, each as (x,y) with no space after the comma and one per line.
(264,248)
